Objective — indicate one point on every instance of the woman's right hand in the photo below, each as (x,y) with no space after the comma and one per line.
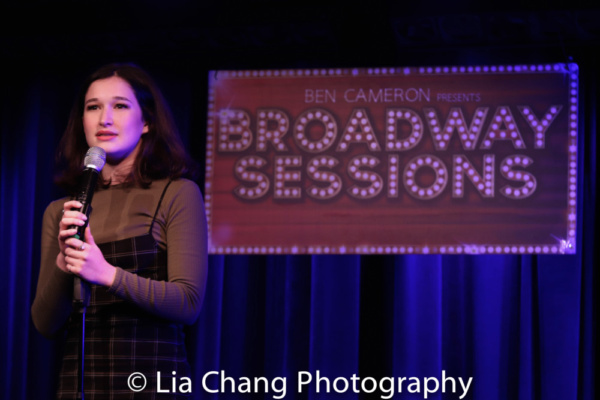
(69,218)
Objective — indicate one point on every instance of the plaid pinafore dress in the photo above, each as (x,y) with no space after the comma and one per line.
(122,339)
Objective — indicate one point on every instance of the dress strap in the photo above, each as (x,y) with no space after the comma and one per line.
(158,206)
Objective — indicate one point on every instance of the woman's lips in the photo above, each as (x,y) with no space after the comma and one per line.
(105,135)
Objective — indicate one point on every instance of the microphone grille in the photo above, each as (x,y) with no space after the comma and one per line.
(95,158)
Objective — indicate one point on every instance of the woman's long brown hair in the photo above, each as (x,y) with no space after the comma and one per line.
(161,154)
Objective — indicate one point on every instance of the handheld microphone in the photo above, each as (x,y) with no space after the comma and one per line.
(94,161)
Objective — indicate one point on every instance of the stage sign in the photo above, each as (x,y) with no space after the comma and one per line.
(428,160)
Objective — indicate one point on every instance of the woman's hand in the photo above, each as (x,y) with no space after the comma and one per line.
(70,218)
(84,259)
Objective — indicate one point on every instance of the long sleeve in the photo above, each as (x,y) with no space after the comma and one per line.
(182,222)
(53,300)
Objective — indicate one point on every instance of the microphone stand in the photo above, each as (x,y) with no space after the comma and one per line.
(93,162)
(81,288)
(81,300)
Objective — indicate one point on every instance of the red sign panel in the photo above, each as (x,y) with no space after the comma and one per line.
(445,160)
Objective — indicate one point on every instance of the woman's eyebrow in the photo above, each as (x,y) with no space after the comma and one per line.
(121,98)
(114,98)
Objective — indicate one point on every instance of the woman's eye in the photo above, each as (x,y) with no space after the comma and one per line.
(91,107)
(121,106)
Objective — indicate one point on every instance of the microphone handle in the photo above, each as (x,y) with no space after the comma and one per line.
(87,210)
(81,293)
(81,288)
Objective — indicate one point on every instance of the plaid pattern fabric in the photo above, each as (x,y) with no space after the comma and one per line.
(121,338)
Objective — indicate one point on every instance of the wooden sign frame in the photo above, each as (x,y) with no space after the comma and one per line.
(427,160)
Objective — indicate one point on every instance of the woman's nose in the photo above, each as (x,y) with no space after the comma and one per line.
(106,118)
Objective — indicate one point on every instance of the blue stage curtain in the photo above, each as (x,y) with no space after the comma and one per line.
(521,326)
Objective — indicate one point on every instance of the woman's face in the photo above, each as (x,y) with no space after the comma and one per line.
(112,118)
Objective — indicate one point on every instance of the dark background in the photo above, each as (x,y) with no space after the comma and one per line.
(523,326)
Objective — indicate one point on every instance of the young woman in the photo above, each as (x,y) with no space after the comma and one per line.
(144,251)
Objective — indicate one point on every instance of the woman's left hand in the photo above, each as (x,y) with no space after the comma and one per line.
(84,259)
